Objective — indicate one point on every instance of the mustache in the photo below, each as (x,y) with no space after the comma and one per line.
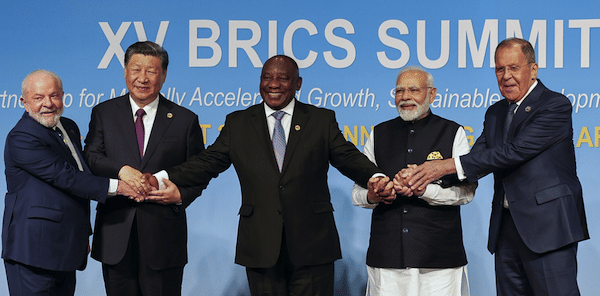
(46,109)
(410,102)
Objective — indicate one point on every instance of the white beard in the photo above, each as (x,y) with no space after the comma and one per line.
(49,122)
(411,115)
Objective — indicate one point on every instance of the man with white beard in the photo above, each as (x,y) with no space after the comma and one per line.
(46,228)
(416,245)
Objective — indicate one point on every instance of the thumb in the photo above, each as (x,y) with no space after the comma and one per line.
(168,183)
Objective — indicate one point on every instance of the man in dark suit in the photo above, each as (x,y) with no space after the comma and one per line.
(46,226)
(537,215)
(143,246)
(287,237)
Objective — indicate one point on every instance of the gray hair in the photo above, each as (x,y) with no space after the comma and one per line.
(417,68)
(25,83)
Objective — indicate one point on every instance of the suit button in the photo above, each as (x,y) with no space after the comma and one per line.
(281,187)
(279,212)
(405,210)
(410,150)
(412,131)
(405,230)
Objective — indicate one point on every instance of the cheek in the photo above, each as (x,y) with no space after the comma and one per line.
(58,103)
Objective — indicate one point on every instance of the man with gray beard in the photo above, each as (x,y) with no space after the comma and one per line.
(46,225)
(416,245)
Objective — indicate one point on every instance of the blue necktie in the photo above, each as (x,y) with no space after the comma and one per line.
(278,139)
(509,118)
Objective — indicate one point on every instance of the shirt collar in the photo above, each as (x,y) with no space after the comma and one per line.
(289,109)
(150,108)
(535,83)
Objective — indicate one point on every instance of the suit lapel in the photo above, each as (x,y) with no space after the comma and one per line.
(526,108)
(503,111)
(161,123)
(298,123)
(126,125)
(76,141)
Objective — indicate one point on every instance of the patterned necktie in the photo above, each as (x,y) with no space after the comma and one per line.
(139,130)
(60,135)
(278,139)
(509,118)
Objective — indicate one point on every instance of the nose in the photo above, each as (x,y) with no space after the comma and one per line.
(143,77)
(405,95)
(47,102)
(273,83)
(507,74)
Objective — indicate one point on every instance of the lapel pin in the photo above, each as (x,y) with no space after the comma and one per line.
(528,108)
(169,115)
(297,127)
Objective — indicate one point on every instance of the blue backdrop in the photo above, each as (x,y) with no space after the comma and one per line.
(349,53)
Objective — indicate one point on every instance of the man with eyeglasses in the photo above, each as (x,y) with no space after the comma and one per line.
(538,215)
(416,245)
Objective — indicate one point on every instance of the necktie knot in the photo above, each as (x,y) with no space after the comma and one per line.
(278,115)
(140,113)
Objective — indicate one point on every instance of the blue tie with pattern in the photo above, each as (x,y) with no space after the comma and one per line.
(278,139)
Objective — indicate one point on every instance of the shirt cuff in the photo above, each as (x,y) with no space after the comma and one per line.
(113,184)
(459,169)
(160,176)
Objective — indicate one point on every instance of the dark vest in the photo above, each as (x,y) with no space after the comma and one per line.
(410,232)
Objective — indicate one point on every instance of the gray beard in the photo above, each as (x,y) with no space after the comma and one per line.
(49,122)
(411,115)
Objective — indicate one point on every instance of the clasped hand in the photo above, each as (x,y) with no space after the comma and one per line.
(381,189)
(142,187)
(402,182)
(169,195)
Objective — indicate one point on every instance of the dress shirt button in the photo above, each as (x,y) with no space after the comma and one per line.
(405,230)
(410,150)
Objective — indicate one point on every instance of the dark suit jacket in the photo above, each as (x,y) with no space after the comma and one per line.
(111,143)
(297,198)
(535,168)
(47,208)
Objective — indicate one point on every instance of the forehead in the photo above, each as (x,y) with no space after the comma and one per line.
(139,59)
(412,78)
(509,55)
(279,66)
(42,83)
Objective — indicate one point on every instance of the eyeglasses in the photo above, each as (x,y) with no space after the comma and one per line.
(410,90)
(511,69)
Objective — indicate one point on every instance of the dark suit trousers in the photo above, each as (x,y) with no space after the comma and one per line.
(519,271)
(134,277)
(24,280)
(285,279)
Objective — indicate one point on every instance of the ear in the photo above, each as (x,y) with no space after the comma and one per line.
(534,71)
(432,94)
(298,83)
(24,102)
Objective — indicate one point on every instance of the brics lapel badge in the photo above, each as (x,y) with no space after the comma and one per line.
(528,108)
(169,115)
(434,155)
(297,127)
